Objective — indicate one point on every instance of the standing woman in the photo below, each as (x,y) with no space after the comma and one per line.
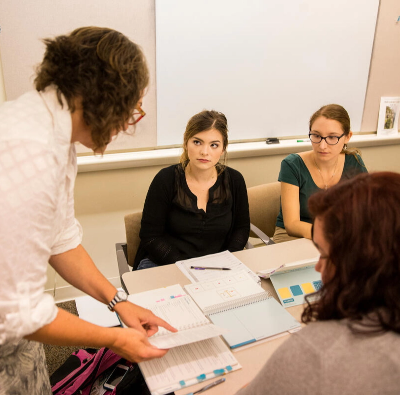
(351,343)
(301,175)
(198,206)
(88,88)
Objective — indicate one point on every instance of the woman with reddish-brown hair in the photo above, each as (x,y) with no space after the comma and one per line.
(352,342)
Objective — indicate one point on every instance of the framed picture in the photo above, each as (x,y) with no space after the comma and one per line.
(389,111)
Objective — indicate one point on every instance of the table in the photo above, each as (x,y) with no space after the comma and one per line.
(252,358)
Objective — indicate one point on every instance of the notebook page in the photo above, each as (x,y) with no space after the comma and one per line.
(187,336)
(91,310)
(174,306)
(221,259)
(229,290)
(182,365)
(293,285)
(255,321)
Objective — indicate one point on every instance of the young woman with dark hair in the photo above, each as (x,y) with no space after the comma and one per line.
(198,206)
(352,341)
(303,174)
(88,89)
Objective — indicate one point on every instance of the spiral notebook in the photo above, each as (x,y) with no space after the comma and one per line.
(239,304)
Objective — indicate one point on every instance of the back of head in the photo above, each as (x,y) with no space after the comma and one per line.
(361,223)
(201,122)
(102,68)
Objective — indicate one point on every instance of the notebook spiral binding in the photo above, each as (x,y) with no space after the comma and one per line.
(220,307)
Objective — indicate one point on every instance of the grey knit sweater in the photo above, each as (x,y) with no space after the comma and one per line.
(326,358)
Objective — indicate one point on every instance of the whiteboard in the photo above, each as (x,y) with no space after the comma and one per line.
(267,64)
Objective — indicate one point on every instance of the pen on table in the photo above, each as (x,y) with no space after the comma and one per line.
(273,271)
(303,141)
(207,387)
(211,268)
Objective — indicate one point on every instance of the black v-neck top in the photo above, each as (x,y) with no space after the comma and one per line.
(174,228)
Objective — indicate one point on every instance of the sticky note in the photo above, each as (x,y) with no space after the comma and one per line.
(218,372)
(229,368)
(317,285)
(296,290)
(201,377)
(307,288)
(284,293)
(182,383)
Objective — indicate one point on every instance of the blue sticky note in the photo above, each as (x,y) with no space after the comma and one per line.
(296,290)
(182,383)
(288,300)
(218,372)
(317,285)
(201,377)
(229,368)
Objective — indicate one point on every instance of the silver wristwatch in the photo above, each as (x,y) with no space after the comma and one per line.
(120,296)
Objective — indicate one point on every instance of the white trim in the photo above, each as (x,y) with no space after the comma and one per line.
(69,292)
(169,156)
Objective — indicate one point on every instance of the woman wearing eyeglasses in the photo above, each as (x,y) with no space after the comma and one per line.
(301,175)
(199,206)
(88,87)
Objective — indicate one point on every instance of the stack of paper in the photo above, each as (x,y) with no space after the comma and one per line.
(195,360)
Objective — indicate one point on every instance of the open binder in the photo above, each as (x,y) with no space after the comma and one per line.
(293,281)
(239,304)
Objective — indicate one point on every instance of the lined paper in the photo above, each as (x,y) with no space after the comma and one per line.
(178,309)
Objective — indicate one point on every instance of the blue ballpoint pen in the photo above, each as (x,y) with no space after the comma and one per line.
(207,387)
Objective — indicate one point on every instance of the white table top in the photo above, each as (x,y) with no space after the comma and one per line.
(253,358)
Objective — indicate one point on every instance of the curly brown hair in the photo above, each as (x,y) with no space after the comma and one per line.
(104,69)
(361,222)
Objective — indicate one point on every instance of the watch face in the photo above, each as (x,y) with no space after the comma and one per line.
(121,296)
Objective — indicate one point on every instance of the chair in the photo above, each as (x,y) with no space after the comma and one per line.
(126,252)
(264,206)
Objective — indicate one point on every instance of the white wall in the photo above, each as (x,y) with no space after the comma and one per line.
(2,88)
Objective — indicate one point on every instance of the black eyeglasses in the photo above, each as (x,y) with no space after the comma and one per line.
(331,140)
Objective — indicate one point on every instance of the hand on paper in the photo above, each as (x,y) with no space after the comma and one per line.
(134,346)
(141,319)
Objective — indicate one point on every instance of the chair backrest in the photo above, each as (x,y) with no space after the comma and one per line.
(132,229)
(264,206)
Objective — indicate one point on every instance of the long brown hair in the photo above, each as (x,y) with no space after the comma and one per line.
(202,122)
(102,68)
(361,223)
(339,114)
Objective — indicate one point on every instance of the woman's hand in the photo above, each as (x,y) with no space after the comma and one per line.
(134,345)
(141,319)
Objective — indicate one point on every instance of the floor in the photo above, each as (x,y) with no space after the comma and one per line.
(57,355)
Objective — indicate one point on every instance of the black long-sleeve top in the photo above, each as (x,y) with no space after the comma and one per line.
(173,228)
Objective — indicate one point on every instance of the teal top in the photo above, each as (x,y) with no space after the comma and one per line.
(295,172)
